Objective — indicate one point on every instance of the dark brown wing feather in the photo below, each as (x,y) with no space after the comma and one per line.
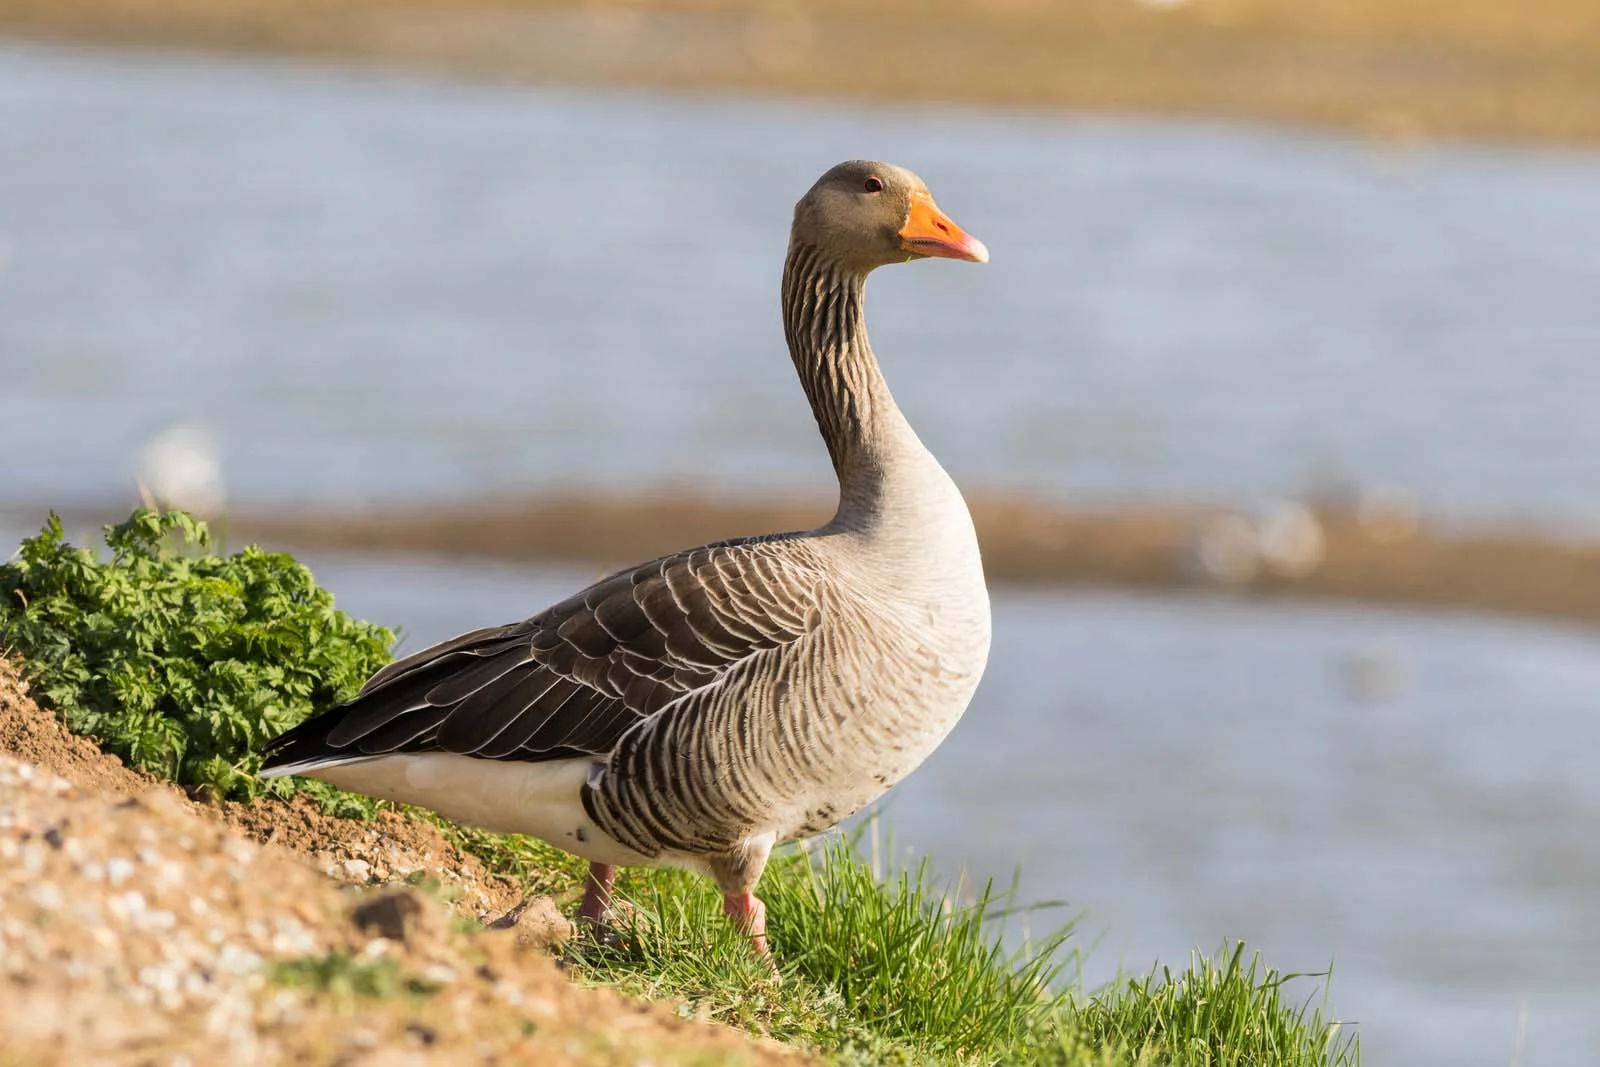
(576,677)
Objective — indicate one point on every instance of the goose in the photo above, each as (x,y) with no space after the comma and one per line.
(698,709)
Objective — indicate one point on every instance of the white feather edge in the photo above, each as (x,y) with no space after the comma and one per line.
(541,799)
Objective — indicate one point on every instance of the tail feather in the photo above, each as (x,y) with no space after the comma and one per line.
(304,748)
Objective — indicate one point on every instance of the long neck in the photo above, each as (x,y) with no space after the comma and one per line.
(866,435)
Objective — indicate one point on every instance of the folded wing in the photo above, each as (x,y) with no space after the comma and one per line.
(572,680)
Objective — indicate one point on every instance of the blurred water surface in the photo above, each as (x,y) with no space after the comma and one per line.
(374,287)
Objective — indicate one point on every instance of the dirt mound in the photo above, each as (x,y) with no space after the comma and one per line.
(139,927)
(390,847)
(34,736)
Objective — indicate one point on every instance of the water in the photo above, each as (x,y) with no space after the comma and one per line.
(1409,797)
(374,287)
(378,287)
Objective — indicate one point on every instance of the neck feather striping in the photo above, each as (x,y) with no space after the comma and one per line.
(827,335)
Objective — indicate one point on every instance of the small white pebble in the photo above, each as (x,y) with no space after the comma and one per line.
(292,939)
(232,959)
(48,895)
(159,978)
(439,973)
(118,870)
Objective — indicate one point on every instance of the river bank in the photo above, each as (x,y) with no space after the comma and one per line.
(1398,71)
(1335,552)
(1332,551)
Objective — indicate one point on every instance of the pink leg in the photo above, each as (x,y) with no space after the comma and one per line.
(750,916)
(597,893)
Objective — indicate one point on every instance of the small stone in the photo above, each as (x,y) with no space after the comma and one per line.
(390,915)
(438,974)
(48,896)
(357,870)
(539,924)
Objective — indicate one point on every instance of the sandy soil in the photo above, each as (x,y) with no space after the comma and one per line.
(138,927)
(1394,68)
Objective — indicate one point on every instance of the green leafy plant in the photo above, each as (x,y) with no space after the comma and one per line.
(180,661)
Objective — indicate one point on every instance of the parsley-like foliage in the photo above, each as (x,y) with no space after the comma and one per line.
(180,661)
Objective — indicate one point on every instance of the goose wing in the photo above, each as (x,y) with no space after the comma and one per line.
(572,680)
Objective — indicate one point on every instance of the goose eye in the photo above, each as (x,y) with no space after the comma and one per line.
(874,185)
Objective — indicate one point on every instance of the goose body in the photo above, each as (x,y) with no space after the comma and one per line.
(696,709)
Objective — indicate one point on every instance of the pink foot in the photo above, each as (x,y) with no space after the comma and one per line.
(749,914)
(597,893)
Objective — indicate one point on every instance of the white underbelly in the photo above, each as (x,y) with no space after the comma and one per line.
(543,800)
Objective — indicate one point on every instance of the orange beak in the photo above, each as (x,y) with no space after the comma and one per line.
(930,232)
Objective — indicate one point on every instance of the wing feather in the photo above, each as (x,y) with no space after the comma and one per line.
(580,675)
(529,734)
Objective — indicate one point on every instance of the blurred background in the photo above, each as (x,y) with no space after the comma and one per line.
(1276,405)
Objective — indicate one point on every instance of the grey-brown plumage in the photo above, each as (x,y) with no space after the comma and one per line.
(698,708)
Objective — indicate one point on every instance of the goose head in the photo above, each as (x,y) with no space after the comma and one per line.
(867,214)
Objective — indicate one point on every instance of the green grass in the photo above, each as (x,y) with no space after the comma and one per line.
(185,662)
(346,974)
(540,869)
(897,971)
(1233,1014)
(876,971)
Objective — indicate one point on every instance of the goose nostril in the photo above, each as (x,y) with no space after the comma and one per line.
(942,227)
